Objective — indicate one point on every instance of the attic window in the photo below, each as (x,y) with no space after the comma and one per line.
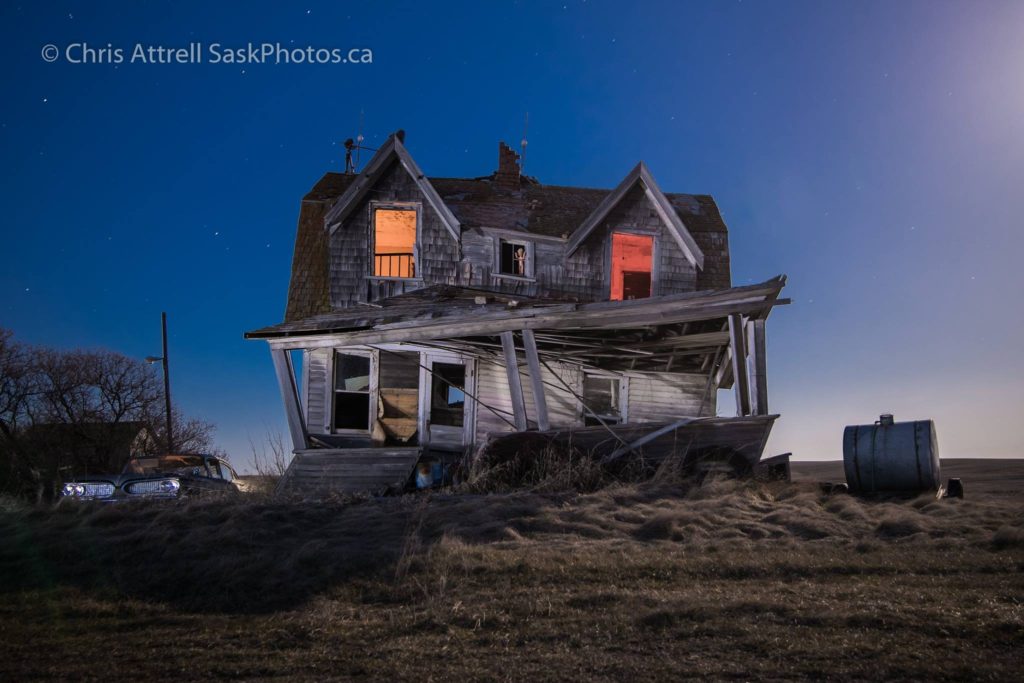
(514,258)
(394,242)
(632,257)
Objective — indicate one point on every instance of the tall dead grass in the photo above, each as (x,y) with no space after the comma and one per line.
(263,554)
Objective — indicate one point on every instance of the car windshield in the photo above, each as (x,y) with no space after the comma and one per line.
(167,464)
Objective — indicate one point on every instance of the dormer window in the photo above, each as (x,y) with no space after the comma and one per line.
(515,258)
(632,261)
(394,241)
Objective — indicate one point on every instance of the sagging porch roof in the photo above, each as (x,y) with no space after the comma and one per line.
(686,329)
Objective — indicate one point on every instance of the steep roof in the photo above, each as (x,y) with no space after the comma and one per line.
(548,210)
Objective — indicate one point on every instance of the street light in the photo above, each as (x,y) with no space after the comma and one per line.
(167,381)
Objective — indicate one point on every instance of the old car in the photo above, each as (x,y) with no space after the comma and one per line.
(158,476)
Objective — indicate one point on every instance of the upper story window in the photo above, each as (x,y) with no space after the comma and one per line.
(515,258)
(632,263)
(394,242)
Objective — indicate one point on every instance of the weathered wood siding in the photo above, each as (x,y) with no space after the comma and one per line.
(492,390)
(652,397)
(479,258)
(349,248)
(317,391)
(656,397)
(587,270)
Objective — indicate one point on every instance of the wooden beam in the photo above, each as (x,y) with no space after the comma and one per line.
(515,384)
(759,365)
(290,395)
(540,401)
(421,329)
(738,346)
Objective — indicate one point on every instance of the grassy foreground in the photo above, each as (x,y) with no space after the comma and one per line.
(729,580)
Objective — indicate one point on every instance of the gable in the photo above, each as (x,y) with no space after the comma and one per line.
(641,177)
(392,151)
(350,244)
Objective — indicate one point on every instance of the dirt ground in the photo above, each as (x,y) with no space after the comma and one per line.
(726,581)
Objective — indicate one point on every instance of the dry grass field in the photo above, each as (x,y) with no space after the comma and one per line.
(729,580)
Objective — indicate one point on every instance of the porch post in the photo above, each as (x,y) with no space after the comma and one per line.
(290,395)
(536,383)
(759,375)
(515,384)
(739,364)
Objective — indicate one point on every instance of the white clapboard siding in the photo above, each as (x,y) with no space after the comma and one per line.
(317,390)
(492,390)
(563,408)
(661,397)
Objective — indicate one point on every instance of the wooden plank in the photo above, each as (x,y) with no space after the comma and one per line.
(290,395)
(741,385)
(419,329)
(515,385)
(759,367)
(533,362)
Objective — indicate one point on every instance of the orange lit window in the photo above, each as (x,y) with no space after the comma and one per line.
(631,266)
(394,242)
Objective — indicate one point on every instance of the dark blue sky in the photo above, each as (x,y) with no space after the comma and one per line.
(874,152)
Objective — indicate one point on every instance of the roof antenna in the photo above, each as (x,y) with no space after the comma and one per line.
(359,137)
(352,166)
(523,143)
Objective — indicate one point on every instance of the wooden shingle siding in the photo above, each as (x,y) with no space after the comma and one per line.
(317,391)
(350,245)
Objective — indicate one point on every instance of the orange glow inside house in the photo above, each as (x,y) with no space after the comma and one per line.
(631,266)
(394,242)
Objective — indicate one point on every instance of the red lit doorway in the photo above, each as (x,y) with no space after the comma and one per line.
(632,256)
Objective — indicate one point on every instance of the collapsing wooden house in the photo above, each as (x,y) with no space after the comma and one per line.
(433,315)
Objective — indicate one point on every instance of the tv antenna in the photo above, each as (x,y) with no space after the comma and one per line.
(356,146)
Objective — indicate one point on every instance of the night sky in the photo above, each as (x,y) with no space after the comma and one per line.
(874,152)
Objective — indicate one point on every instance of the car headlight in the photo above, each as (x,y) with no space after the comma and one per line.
(87,490)
(154,486)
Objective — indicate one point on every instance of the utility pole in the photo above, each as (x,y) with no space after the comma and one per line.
(167,381)
(167,385)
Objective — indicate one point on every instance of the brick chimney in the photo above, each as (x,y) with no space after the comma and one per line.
(507,175)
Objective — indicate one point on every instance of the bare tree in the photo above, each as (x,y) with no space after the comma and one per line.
(65,413)
(18,387)
(270,457)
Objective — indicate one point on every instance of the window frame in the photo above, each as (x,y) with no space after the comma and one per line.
(371,391)
(371,238)
(527,265)
(655,256)
(623,394)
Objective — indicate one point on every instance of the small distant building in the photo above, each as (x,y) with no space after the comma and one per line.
(433,315)
(65,450)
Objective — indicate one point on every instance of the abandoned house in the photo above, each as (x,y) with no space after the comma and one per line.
(427,317)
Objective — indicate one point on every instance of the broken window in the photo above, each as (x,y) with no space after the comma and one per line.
(394,242)
(448,394)
(351,391)
(398,379)
(632,256)
(514,259)
(602,397)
